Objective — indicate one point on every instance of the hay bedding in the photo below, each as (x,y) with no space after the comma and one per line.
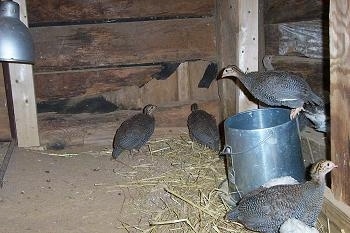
(181,196)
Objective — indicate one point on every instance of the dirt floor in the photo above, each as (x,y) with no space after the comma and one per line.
(80,189)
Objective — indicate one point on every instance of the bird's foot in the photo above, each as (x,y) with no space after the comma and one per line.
(294,112)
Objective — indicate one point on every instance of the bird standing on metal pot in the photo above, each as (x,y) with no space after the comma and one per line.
(134,132)
(265,210)
(202,128)
(276,88)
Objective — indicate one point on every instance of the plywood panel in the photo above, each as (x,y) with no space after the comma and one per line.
(51,86)
(293,11)
(58,11)
(105,45)
(340,97)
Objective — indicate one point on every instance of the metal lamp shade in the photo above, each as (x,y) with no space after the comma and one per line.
(16,43)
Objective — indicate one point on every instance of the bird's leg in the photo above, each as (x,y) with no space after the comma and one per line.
(295,111)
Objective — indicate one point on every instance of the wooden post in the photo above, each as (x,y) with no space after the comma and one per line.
(247,45)
(226,51)
(340,97)
(23,96)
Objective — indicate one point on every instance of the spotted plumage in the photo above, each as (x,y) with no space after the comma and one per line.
(134,132)
(267,209)
(276,88)
(202,128)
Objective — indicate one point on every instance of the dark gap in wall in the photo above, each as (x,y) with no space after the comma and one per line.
(121,20)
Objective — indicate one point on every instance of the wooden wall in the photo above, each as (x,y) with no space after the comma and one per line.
(5,130)
(296,37)
(87,48)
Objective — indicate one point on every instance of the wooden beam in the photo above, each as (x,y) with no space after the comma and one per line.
(226,19)
(110,44)
(61,85)
(340,97)
(248,45)
(23,97)
(294,11)
(80,11)
(5,130)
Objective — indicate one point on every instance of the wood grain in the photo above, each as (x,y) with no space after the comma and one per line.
(51,86)
(78,11)
(103,45)
(295,11)
(226,29)
(340,97)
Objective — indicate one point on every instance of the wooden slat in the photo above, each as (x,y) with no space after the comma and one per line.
(294,11)
(50,86)
(90,46)
(226,51)
(183,82)
(5,130)
(23,97)
(340,97)
(308,38)
(248,46)
(335,215)
(57,11)
(315,71)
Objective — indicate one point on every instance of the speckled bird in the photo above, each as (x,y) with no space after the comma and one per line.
(276,88)
(267,209)
(202,128)
(134,132)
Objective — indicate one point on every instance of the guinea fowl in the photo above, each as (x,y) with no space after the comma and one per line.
(276,88)
(267,209)
(134,132)
(202,128)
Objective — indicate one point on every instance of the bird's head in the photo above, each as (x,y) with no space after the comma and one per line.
(231,71)
(194,107)
(149,109)
(320,169)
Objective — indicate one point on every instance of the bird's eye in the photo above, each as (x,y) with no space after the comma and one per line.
(328,164)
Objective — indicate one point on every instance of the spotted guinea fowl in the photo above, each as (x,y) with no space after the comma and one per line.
(276,88)
(134,132)
(267,209)
(202,128)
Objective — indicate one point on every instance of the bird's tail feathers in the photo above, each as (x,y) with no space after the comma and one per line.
(316,99)
(116,152)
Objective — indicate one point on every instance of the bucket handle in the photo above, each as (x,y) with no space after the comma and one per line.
(227,150)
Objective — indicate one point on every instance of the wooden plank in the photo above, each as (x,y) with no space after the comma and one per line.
(5,130)
(23,97)
(57,11)
(91,128)
(335,214)
(340,97)
(315,71)
(51,86)
(183,82)
(104,45)
(307,38)
(226,19)
(248,44)
(294,11)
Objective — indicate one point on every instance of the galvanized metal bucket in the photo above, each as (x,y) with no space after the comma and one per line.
(261,144)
